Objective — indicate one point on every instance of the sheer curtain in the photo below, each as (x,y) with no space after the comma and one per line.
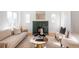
(3,21)
(13,19)
(56,19)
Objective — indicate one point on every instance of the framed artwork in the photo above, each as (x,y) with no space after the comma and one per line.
(40,15)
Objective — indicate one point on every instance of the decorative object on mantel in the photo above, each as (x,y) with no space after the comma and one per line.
(40,15)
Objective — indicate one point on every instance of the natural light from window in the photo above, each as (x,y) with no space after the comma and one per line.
(53,17)
(12,18)
(27,18)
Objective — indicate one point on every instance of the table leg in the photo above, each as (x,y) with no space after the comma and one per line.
(39,46)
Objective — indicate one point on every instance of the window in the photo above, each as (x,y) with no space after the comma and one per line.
(9,15)
(12,18)
(27,18)
(53,17)
(14,15)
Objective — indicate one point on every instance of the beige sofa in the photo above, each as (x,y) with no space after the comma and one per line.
(8,40)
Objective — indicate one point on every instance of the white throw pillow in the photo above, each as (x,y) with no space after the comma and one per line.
(24,29)
(17,31)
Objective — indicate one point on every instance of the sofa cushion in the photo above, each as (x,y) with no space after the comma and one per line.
(24,29)
(5,34)
(14,40)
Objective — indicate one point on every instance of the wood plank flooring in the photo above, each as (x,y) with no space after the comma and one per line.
(52,43)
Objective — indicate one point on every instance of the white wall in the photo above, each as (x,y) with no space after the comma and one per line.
(61,17)
(75,21)
(5,23)
(23,19)
(53,26)
(66,20)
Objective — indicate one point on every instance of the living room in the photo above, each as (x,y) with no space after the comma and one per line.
(17,28)
(39,29)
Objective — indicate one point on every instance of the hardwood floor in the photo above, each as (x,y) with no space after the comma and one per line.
(26,43)
(52,43)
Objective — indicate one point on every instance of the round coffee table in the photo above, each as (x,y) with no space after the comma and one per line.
(38,44)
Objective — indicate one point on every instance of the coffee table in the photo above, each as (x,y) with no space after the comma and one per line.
(38,44)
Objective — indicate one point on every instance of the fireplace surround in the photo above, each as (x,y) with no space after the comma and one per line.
(43,24)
